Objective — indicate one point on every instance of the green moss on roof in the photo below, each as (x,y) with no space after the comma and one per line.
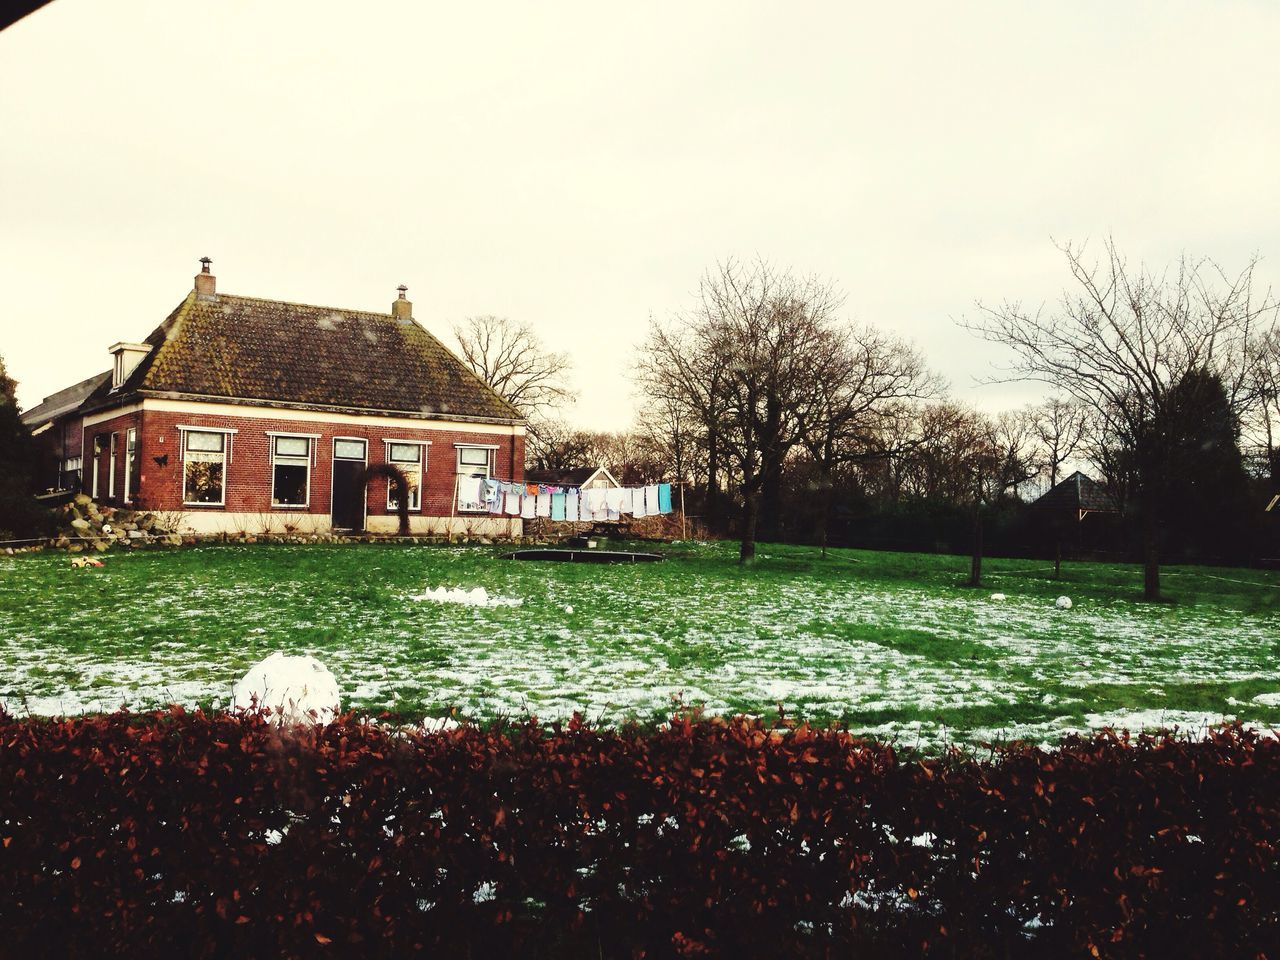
(252,349)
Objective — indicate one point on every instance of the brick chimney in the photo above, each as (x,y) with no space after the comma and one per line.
(401,308)
(206,282)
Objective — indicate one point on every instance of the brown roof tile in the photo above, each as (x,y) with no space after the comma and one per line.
(246,348)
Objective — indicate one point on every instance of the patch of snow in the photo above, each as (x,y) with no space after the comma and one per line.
(998,596)
(1268,699)
(475,597)
(438,724)
(291,687)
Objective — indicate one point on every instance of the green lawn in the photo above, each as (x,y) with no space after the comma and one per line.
(891,643)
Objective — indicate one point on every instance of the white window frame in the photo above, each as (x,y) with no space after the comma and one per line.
(292,460)
(472,470)
(415,491)
(130,451)
(111,467)
(227,435)
(97,458)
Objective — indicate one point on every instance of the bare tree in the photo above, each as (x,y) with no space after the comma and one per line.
(1059,425)
(1122,339)
(866,376)
(511,359)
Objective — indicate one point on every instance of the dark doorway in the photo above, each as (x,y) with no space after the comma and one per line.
(349,457)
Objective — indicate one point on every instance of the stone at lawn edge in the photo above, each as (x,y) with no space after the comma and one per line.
(80,524)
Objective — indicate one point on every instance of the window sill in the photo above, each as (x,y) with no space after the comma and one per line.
(299,507)
(209,506)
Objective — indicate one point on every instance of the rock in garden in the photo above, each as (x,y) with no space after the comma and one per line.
(80,524)
(291,688)
(1063,603)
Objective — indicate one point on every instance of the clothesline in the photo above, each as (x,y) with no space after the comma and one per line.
(531,500)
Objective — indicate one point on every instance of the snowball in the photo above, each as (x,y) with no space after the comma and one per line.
(1063,603)
(475,597)
(998,596)
(291,687)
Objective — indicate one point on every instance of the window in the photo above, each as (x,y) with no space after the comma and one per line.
(473,464)
(348,449)
(130,464)
(290,471)
(204,457)
(70,478)
(408,457)
(111,469)
(97,459)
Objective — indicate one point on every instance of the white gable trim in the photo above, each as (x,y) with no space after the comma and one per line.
(371,421)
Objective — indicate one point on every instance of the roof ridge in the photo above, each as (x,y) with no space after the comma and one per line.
(313,306)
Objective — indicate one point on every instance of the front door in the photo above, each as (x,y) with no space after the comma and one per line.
(349,458)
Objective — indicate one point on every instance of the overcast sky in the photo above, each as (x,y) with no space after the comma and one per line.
(578,166)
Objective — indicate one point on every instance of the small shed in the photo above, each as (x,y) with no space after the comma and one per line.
(585,478)
(1076,497)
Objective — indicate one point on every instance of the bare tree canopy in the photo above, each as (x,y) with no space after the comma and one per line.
(511,359)
(1124,339)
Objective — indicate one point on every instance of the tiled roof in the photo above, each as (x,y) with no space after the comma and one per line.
(64,401)
(563,478)
(245,348)
(1077,492)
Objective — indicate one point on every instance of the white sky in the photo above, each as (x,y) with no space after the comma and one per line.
(578,166)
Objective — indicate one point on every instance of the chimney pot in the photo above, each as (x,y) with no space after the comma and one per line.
(402,307)
(206,282)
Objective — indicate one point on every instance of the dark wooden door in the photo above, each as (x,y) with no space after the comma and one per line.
(348,494)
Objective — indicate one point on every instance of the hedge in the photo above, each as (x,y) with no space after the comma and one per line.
(190,834)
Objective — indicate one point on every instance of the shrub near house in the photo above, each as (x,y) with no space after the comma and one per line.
(237,409)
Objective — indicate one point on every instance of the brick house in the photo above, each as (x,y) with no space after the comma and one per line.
(243,414)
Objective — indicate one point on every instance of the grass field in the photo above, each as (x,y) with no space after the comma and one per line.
(891,643)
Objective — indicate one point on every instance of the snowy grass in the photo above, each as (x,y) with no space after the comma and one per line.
(891,643)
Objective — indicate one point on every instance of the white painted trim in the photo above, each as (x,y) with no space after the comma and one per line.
(422,467)
(111,414)
(371,421)
(309,436)
(333,459)
(310,458)
(226,464)
(187,426)
(128,464)
(111,467)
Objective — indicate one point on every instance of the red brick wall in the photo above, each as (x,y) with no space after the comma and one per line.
(117,425)
(247,475)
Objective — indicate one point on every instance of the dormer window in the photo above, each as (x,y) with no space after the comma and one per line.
(125,358)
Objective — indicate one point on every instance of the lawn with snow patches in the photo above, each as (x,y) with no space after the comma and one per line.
(891,643)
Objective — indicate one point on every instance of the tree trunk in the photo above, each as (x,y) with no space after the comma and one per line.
(975,563)
(770,507)
(1150,558)
(826,512)
(712,500)
(1057,558)
(750,514)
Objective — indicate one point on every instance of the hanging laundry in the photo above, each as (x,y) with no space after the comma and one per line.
(493,496)
(595,503)
(664,498)
(613,502)
(528,504)
(637,502)
(557,506)
(543,505)
(512,501)
(468,491)
(531,489)
(571,499)
(651,498)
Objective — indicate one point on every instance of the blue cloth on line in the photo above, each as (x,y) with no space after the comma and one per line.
(557,506)
(664,498)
